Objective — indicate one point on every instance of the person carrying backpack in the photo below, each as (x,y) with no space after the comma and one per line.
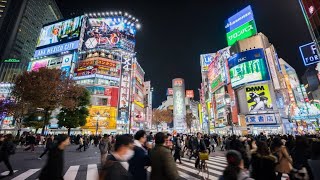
(8,148)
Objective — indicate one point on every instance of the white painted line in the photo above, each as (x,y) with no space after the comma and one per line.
(210,170)
(92,171)
(26,174)
(181,174)
(7,172)
(221,165)
(71,173)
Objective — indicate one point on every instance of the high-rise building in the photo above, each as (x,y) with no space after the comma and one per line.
(20,25)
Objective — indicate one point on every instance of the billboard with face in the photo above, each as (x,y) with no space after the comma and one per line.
(109,32)
(247,67)
(258,98)
(60,32)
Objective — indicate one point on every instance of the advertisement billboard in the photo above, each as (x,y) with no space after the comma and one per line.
(309,54)
(247,67)
(271,61)
(258,98)
(189,94)
(242,32)
(68,46)
(205,60)
(36,65)
(125,85)
(101,66)
(217,70)
(60,32)
(179,106)
(105,116)
(242,17)
(109,32)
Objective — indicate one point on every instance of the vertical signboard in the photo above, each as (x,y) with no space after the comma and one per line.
(272,68)
(125,84)
(179,106)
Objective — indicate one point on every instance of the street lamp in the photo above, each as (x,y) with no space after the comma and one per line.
(97,125)
(227,100)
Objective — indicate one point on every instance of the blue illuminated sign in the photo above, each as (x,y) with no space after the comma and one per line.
(242,17)
(57,49)
(309,54)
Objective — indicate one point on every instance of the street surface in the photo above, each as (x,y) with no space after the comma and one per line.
(84,165)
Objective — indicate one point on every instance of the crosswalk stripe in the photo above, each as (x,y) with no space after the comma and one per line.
(210,164)
(181,174)
(221,165)
(92,171)
(26,174)
(71,173)
(218,158)
(210,170)
(7,172)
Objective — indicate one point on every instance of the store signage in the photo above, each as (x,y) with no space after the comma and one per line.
(66,60)
(56,49)
(97,76)
(247,67)
(169,92)
(242,17)
(216,84)
(177,82)
(125,85)
(242,32)
(11,60)
(272,68)
(309,54)
(206,59)
(261,119)
(258,98)
(179,107)
(189,94)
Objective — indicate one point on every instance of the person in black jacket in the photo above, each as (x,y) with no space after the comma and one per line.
(199,147)
(53,170)
(49,144)
(7,149)
(140,159)
(116,166)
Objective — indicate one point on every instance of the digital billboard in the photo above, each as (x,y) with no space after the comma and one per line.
(309,54)
(60,32)
(258,98)
(109,32)
(242,17)
(242,32)
(98,66)
(105,116)
(247,67)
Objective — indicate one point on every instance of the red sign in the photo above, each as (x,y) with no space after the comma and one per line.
(169,92)
(112,94)
(189,94)
(178,82)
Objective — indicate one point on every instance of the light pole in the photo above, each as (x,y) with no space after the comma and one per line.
(97,125)
(227,99)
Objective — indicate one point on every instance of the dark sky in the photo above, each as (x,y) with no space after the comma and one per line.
(174,33)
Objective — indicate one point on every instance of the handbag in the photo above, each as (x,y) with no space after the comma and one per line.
(203,156)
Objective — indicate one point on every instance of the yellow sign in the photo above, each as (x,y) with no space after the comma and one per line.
(138,103)
(106,117)
(258,98)
(200,114)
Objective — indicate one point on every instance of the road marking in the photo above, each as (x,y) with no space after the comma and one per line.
(181,174)
(7,172)
(71,173)
(26,174)
(210,170)
(210,164)
(92,171)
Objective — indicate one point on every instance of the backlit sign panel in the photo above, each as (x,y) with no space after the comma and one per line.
(247,67)
(242,17)
(206,59)
(242,32)
(56,49)
(309,54)
(179,106)
(189,94)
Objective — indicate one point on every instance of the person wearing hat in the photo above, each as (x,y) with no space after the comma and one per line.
(235,168)
(53,169)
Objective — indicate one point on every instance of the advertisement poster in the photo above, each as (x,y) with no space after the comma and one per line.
(98,66)
(106,117)
(36,65)
(258,98)
(109,33)
(125,85)
(247,67)
(60,32)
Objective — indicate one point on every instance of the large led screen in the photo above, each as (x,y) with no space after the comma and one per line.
(247,67)
(110,32)
(60,32)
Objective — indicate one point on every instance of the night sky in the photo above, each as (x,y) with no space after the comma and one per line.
(174,33)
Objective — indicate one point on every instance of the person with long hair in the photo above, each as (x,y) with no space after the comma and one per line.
(263,164)
(235,168)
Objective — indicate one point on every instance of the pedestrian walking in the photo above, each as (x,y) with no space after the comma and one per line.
(32,142)
(104,146)
(7,149)
(235,169)
(212,142)
(81,144)
(199,147)
(53,169)
(177,148)
(117,166)
(49,145)
(140,159)
(162,163)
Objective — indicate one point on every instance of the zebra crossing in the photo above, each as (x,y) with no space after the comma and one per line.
(186,170)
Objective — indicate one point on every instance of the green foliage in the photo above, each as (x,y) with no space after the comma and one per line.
(75,117)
